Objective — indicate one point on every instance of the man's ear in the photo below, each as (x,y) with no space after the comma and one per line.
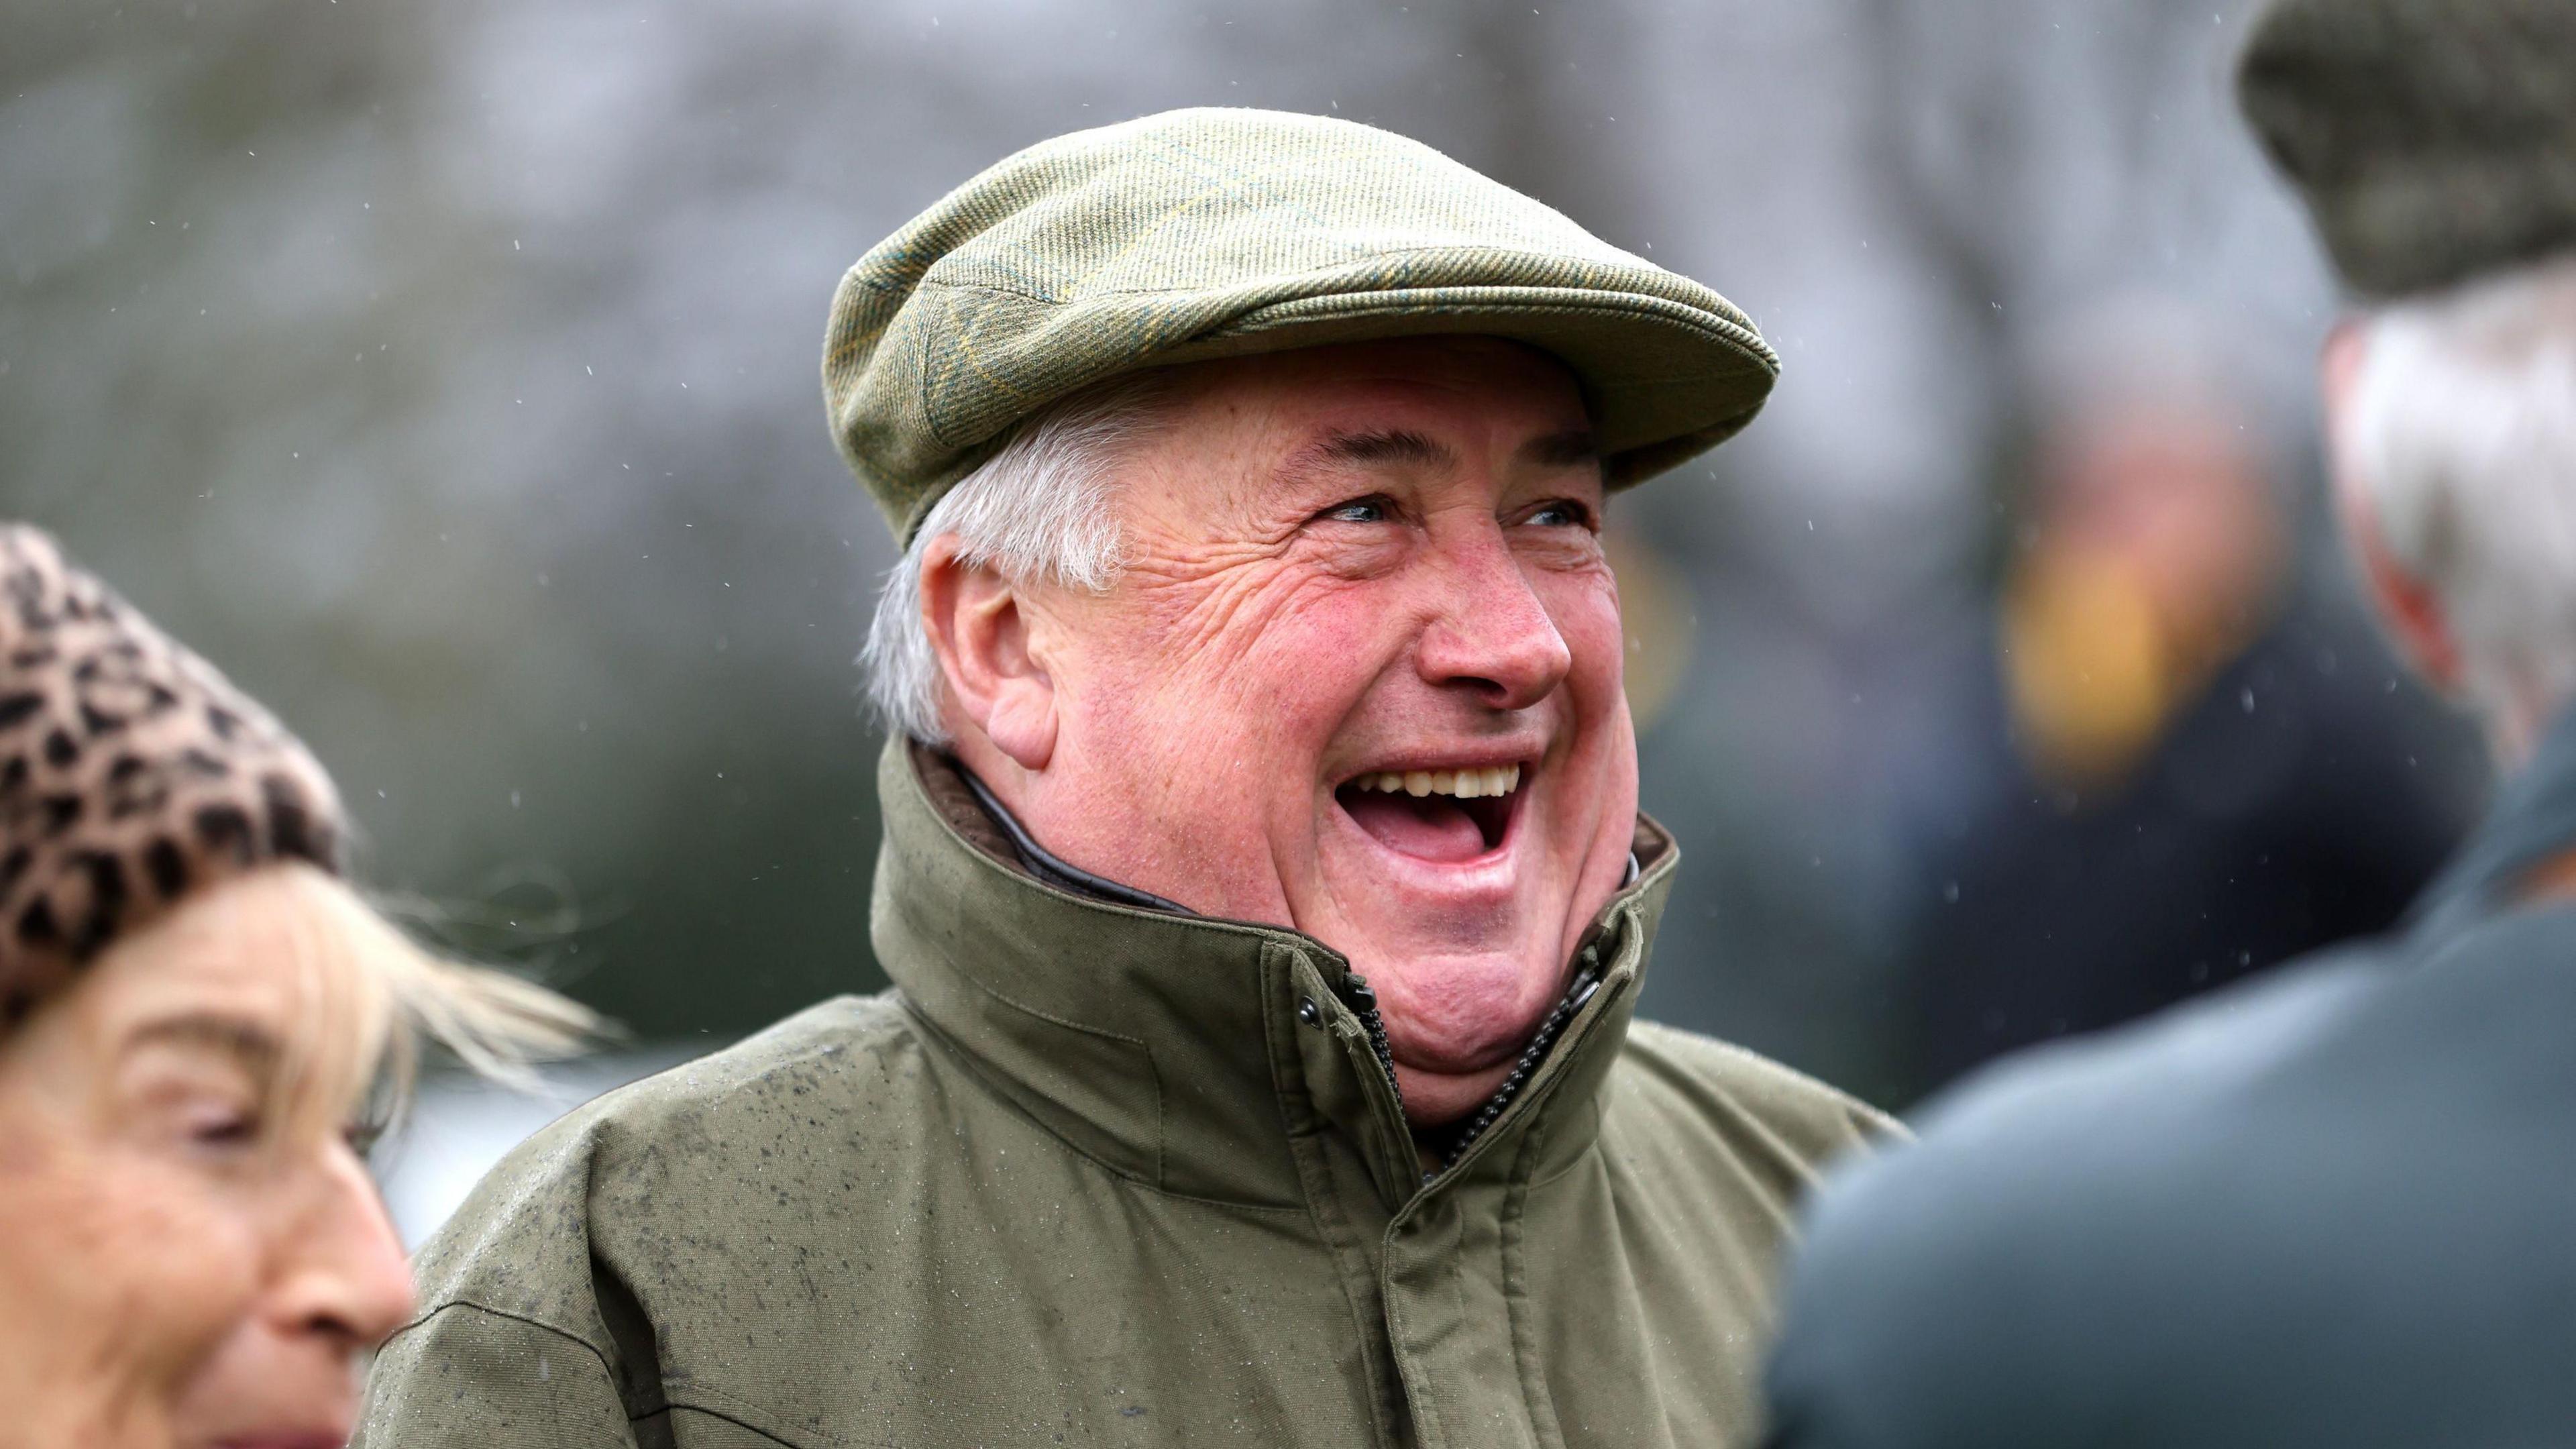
(981,635)
(2408,609)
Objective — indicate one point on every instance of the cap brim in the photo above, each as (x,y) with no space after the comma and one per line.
(1665,382)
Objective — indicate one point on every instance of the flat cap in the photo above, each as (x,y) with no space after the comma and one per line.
(1210,233)
(2433,140)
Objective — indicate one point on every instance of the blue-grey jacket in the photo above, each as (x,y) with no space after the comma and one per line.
(2337,1207)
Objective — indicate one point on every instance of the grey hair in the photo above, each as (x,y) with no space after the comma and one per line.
(2462,433)
(1042,509)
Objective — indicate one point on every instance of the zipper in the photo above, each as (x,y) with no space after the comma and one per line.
(1586,983)
(1361,998)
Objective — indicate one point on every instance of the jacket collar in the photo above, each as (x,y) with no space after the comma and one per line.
(2533,819)
(1165,1045)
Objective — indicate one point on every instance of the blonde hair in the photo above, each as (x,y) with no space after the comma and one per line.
(371,997)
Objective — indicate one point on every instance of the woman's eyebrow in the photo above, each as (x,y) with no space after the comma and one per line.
(251,1044)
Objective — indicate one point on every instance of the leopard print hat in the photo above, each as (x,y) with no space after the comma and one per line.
(131,773)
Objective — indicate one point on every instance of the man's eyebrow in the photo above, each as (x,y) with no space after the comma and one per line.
(250,1043)
(1379,447)
(1567,449)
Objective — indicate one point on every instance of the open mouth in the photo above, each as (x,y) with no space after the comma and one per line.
(1447,816)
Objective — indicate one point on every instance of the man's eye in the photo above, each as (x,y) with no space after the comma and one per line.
(1359,510)
(1559,515)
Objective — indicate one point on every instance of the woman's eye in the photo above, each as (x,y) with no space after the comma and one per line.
(1359,510)
(232,1129)
(221,1128)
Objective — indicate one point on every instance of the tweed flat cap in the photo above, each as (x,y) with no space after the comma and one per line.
(2433,139)
(1211,233)
(131,773)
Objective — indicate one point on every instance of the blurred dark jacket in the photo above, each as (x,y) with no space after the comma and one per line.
(1100,1174)
(2285,807)
(2333,1207)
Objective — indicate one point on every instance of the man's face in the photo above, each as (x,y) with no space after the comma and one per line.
(1348,568)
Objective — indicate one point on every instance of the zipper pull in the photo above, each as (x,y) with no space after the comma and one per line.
(1359,995)
(1362,1000)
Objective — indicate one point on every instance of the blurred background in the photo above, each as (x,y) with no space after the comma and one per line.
(449,374)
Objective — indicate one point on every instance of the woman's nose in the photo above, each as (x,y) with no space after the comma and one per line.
(346,1280)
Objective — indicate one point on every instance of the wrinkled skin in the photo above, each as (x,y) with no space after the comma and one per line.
(1340,561)
(190,1256)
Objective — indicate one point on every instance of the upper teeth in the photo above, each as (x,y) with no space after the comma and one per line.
(1464,784)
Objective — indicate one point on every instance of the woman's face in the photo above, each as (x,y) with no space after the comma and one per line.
(191,1253)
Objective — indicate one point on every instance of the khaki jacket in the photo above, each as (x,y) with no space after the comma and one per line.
(1095,1174)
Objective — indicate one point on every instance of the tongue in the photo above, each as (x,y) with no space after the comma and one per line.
(1430,828)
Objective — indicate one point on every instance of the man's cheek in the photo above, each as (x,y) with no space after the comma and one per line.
(1586,614)
(1322,639)
(1214,629)
(1251,701)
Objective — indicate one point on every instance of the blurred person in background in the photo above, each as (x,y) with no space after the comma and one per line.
(1263,884)
(2181,767)
(2331,1207)
(194,1011)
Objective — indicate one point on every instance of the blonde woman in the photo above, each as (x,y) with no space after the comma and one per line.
(195,1011)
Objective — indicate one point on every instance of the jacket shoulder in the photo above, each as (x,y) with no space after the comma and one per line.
(844,1050)
(2059,1188)
(526,1241)
(2033,1135)
(1679,1082)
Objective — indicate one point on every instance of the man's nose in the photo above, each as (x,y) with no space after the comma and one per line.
(345,1282)
(1492,634)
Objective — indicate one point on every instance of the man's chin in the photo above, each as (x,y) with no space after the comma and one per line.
(1458,1022)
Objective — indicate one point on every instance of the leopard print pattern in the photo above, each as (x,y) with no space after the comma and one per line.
(131,773)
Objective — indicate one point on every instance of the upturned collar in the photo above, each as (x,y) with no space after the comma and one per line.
(2533,818)
(1182,1050)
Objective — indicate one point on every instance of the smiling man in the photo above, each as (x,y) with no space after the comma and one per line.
(1264,887)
